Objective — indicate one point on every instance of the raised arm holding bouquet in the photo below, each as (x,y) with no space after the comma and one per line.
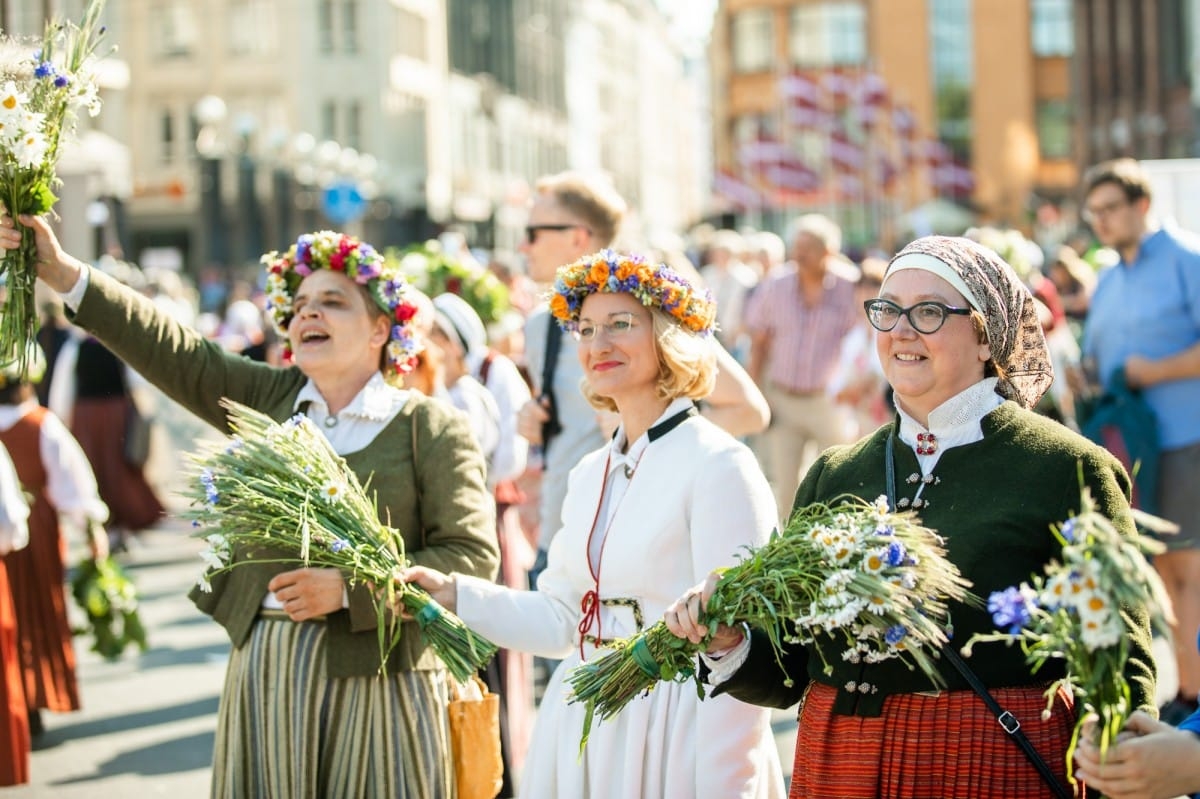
(960,344)
(43,85)
(669,499)
(306,639)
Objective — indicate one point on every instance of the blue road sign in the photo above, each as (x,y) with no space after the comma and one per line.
(343,203)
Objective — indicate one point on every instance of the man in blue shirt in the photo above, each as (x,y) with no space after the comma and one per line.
(1145,317)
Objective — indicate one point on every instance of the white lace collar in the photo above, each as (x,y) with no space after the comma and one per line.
(955,422)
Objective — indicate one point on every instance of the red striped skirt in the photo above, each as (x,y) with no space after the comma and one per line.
(929,745)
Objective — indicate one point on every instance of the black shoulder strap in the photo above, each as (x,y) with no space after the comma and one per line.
(1007,721)
(554,335)
(550,360)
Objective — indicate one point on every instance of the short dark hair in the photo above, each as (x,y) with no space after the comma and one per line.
(1124,173)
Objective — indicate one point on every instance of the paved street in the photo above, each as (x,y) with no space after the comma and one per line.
(146,727)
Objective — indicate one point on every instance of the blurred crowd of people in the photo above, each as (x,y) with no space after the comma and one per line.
(797,373)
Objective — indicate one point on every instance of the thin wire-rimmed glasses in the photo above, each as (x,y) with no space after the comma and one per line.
(925,317)
(617,325)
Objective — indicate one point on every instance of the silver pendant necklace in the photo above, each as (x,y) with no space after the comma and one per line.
(331,420)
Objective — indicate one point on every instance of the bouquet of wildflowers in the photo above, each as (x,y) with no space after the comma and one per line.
(42,87)
(109,599)
(852,570)
(279,493)
(1072,612)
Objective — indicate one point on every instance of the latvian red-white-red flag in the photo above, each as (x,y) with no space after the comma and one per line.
(872,100)
(845,155)
(802,102)
(904,123)
(735,190)
(839,86)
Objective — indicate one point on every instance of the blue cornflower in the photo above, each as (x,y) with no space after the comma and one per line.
(208,480)
(61,81)
(885,529)
(339,545)
(1011,609)
(895,634)
(43,70)
(1068,530)
(896,553)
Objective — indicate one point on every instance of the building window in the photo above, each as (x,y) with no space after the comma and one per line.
(350,26)
(166,136)
(828,34)
(325,26)
(329,120)
(753,43)
(1052,28)
(252,28)
(953,73)
(410,34)
(1054,129)
(354,124)
(173,29)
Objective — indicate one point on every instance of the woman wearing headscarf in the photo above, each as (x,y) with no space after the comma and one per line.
(669,499)
(962,348)
(304,710)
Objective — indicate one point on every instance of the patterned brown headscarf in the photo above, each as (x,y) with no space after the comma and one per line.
(1014,333)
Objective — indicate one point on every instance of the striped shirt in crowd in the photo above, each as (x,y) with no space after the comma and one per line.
(804,339)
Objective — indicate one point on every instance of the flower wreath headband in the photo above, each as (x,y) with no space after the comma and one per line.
(358,261)
(654,286)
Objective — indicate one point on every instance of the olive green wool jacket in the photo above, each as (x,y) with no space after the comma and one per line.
(994,505)
(439,503)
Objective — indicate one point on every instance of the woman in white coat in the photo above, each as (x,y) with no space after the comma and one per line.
(672,497)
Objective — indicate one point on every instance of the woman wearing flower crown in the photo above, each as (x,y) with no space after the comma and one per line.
(670,498)
(303,712)
(961,346)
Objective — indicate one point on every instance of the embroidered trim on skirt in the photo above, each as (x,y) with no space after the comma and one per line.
(284,729)
(943,744)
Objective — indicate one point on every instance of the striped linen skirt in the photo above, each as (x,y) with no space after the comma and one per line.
(286,730)
(945,745)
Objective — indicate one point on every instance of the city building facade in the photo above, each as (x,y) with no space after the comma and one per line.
(892,114)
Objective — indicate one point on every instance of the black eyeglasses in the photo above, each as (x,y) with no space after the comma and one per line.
(532,231)
(925,317)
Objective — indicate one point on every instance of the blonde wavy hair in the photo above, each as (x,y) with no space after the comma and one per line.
(687,364)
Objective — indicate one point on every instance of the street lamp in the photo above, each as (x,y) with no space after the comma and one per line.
(210,113)
(249,214)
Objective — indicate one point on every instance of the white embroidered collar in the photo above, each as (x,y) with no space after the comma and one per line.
(375,402)
(955,422)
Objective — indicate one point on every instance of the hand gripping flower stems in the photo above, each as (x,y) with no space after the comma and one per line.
(850,570)
(279,493)
(1073,612)
(42,86)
